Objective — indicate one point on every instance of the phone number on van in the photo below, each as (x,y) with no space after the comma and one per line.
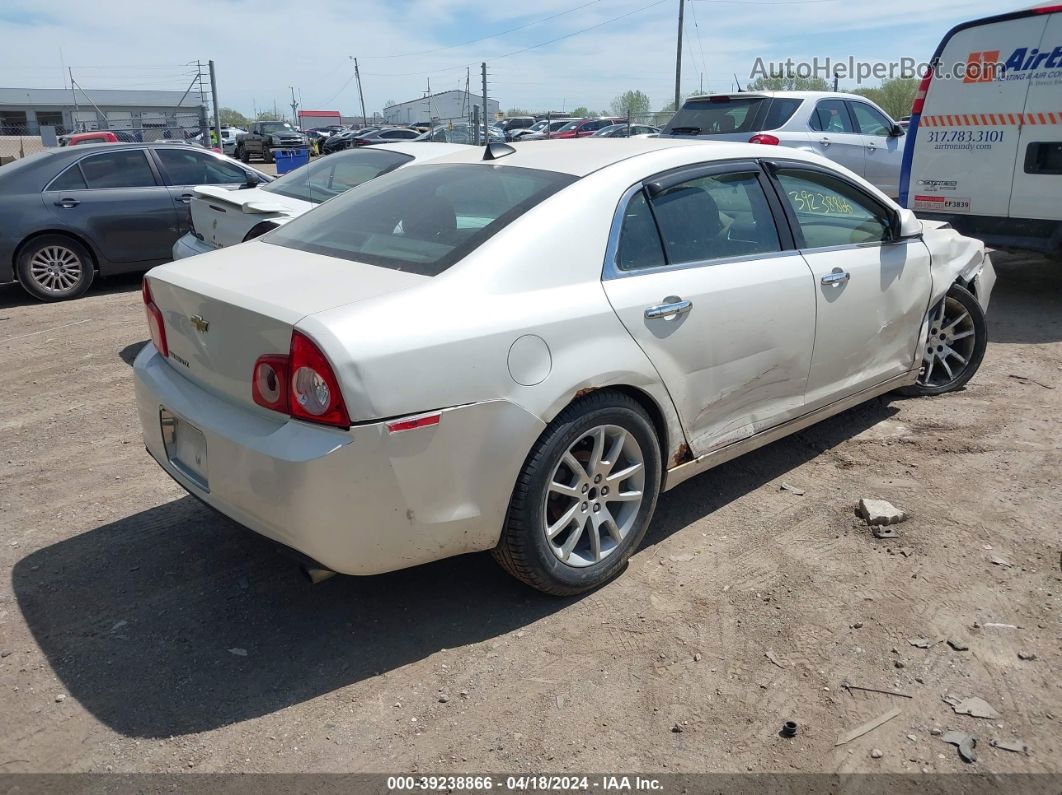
(965,136)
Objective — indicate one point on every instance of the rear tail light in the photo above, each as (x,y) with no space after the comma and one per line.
(923,89)
(301,384)
(269,384)
(154,320)
(764,138)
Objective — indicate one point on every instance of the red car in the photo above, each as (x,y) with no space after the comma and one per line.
(97,137)
(584,128)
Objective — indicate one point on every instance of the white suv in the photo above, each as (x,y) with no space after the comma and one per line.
(848,129)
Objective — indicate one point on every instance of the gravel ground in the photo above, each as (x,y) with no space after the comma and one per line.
(141,632)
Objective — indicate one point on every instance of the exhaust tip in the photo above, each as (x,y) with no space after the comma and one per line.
(317,575)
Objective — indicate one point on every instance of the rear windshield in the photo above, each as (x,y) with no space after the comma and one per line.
(421,219)
(338,173)
(721,115)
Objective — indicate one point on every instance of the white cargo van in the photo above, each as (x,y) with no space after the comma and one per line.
(984,148)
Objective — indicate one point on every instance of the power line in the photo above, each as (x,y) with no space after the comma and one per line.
(484,38)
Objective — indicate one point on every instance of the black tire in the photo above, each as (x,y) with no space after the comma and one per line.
(241,154)
(55,268)
(524,550)
(957,301)
(267,154)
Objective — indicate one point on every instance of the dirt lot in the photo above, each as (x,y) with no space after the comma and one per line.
(141,632)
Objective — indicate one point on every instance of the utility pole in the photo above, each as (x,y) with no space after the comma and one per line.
(486,113)
(294,108)
(678,59)
(361,96)
(217,108)
(73,94)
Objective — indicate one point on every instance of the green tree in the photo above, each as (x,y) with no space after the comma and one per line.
(895,97)
(633,103)
(789,82)
(389,103)
(233,118)
(581,111)
(518,112)
(268,115)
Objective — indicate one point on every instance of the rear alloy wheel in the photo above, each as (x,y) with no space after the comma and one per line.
(55,268)
(585,497)
(241,154)
(955,345)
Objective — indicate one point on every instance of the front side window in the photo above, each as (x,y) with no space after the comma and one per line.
(328,177)
(713,217)
(276,126)
(423,219)
(122,168)
(870,122)
(189,167)
(831,212)
(831,116)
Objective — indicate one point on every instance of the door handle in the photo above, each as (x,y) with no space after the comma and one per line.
(67,203)
(871,146)
(824,141)
(185,198)
(674,306)
(835,279)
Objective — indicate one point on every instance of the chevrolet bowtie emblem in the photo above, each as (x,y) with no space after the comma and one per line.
(201,324)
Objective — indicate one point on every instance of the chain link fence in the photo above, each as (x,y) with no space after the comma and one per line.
(19,138)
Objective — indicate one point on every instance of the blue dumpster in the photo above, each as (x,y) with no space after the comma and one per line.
(289,159)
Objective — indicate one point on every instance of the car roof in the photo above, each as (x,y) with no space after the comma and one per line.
(423,150)
(583,156)
(780,95)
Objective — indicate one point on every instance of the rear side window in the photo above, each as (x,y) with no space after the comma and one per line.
(639,242)
(716,115)
(123,168)
(869,121)
(423,219)
(831,116)
(338,173)
(780,111)
(70,179)
(831,212)
(714,217)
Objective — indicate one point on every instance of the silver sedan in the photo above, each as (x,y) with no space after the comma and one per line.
(517,349)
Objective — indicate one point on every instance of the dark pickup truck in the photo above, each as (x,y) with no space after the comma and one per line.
(264,137)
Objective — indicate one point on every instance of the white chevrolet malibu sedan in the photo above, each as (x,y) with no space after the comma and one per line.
(517,349)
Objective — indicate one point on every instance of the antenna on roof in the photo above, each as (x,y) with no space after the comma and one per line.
(737,82)
(495,150)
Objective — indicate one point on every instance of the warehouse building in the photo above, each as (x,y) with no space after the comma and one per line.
(443,106)
(23,111)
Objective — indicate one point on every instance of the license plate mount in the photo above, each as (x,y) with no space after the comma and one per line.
(186,448)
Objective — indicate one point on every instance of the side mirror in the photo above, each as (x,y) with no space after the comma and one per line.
(252,181)
(896,131)
(907,226)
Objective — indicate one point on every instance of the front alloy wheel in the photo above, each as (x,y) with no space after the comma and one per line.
(584,497)
(955,344)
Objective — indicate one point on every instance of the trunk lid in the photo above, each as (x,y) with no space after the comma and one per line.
(224,309)
(211,207)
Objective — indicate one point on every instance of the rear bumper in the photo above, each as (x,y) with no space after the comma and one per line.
(362,501)
(189,245)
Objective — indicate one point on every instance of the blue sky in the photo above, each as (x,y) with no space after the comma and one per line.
(263,47)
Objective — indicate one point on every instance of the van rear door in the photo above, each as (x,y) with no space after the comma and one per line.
(965,144)
(1038,176)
